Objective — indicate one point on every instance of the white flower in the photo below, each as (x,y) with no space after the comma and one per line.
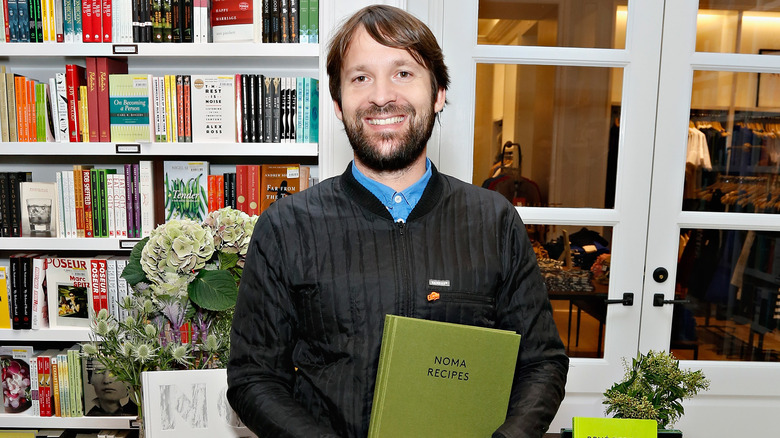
(176,249)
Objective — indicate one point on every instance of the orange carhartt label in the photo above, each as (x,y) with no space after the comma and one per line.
(433,296)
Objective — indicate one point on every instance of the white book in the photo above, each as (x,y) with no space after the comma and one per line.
(213,108)
(69,292)
(120,206)
(161,101)
(205,26)
(23,358)
(113,290)
(39,204)
(70,203)
(54,107)
(123,289)
(61,214)
(232,21)
(40,312)
(146,190)
(196,22)
(34,386)
(59,30)
(61,123)
(157,110)
(127,22)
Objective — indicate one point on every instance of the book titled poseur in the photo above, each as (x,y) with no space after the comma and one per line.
(438,379)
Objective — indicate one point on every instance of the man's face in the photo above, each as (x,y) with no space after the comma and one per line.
(107,387)
(386,104)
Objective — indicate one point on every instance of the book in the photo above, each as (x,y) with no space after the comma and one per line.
(99,386)
(92,97)
(213,108)
(277,181)
(15,365)
(5,295)
(130,111)
(105,68)
(585,427)
(232,21)
(40,310)
(69,292)
(186,190)
(4,132)
(39,207)
(75,77)
(189,403)
(463,372)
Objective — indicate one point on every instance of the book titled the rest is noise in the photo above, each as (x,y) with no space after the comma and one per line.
(438,379)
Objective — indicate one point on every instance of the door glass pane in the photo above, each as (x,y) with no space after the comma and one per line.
(737,26)
(731,280)
(562,23)
(577,278)
(733,145)
(548,135)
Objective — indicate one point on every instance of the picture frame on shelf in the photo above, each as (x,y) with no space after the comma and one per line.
(768,85)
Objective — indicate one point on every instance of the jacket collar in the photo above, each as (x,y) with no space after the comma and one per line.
(361,195)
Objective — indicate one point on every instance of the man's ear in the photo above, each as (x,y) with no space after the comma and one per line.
(337,109)
(441,98)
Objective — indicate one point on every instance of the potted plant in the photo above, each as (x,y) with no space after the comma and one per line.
(185,279)
(653,388)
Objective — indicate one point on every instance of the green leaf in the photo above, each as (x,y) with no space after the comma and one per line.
(227,260)
(133,273)
(213,290)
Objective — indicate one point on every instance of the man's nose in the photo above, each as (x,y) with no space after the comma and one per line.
(383,92)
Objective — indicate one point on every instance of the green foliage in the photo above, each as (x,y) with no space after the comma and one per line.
(653,388)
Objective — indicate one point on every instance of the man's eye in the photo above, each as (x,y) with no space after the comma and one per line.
(360,79)
(404,74)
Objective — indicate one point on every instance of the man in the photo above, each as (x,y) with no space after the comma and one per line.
(326,265)
(112,396)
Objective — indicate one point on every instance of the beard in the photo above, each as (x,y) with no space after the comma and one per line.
(406,146)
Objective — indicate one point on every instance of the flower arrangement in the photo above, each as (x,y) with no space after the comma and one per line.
(185,279)
(16,384)
(653,388)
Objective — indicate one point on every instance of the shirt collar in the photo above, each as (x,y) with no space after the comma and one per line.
(399,204)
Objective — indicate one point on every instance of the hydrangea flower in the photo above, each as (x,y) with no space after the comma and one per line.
(176,250)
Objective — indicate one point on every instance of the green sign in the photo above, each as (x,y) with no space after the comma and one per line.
(614,428)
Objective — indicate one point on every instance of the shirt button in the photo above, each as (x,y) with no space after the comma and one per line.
(398,199)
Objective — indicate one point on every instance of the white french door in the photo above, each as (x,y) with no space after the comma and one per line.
(655,64)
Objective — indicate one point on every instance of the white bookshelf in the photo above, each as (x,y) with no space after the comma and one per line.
(59,334)
(21,421)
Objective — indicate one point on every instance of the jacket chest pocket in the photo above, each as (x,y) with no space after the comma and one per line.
(466,307)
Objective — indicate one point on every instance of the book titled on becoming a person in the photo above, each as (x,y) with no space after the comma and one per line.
(438,379)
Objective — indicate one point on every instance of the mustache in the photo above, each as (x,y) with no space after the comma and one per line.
(391,108)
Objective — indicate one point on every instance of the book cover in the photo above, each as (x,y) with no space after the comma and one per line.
(15,289)
(105,68)
(92,97)
(5,296)
(232,21)
(213,108)
(463,372)
(191,403)
(39,208)
(75,77)
(17,384)
(78,199)
(40,309)
(98,272)
(3,106)
(146,196)
(69,292)
(86,21)
(186,190)
(278,181)
(60,91)
(55,385)
(89,208)
(130,111)
(103,394)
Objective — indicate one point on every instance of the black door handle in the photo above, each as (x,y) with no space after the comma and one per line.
(628,300)
(659,301)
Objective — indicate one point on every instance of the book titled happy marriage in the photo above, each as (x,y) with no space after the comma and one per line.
(438,379)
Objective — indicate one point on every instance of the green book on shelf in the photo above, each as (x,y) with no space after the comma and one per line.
(438,379)
(129,109)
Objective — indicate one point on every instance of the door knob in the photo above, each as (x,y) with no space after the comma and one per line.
(628,300)
(659,301)
(660,275)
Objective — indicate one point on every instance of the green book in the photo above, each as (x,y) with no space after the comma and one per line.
(129,109)
(438,379)
(585,427)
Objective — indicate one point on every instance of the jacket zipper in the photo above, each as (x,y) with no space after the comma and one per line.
(407,309)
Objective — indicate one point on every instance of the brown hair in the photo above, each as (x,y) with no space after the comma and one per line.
(391,27)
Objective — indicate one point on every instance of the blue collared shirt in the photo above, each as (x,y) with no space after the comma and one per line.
(399,204)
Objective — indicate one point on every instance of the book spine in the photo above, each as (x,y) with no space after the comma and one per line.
(92,99)
(97,21)
(86,178)
(179,108)
(35,390)
(241,187)
(137,200)
(61,204)
(86,21)
(314,21)
(220,189)
(5,208)
(44,388)
(187,109)
(25,277)
(110,206)
(37,301)
(130,214)
(14,202)
(15,269)
(70,205)
(73,81)
(112,288)
(120,206)
(103,202)
(253,190)
(146,189)
(108,21)
(95,192)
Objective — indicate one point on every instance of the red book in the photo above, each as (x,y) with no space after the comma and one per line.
(187,109)
(97,21)
(107,17)
(212,187)
(75,76)
(180,107)
(98,270)
(92,99)
(44,387)
(253,190)
(241,187)
(106,67)
(86,20)
(6,22)
(89,230)
(220,191)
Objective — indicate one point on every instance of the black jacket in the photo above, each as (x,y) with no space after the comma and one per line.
(326,265)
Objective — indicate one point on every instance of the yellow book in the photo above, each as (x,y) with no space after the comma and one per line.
(55,385)
(170,107)
(585,427)
(5,312)
(83,114)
